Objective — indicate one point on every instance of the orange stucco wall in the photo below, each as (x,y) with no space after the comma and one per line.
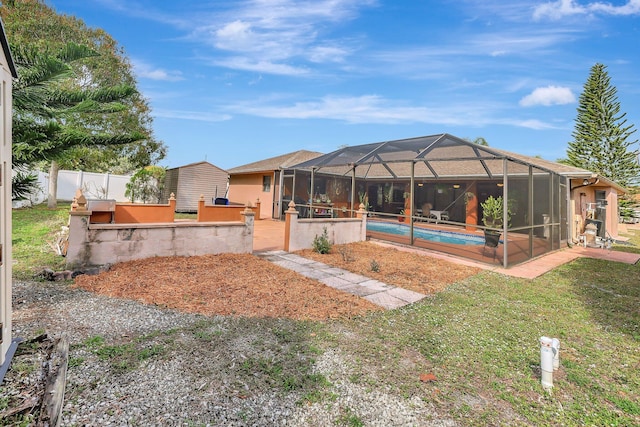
(136,213)
(247,188)
(212,213)
(582,196)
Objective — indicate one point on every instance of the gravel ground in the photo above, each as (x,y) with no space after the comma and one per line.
(135,364)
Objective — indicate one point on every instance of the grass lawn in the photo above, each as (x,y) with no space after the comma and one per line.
(479,340)
(34,232)
(472,350)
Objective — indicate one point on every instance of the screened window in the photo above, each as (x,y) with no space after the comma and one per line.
(266,183)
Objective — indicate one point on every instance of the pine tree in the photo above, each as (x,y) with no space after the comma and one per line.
(601,137)
(74,92)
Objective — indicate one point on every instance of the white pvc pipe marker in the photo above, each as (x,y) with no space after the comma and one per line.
(555,346)
(546,362)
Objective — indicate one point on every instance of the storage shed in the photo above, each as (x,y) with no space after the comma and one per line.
(190,181)
(7,73)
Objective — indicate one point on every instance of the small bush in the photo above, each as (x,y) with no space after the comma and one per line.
(321,244)
(375,267)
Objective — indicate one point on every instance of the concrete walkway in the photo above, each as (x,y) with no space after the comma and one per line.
(379,293)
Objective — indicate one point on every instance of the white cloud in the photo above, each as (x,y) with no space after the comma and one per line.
(372,109)
(147,71)
(560,8)
(203,116)
(235,35)
(321,54)
(260,66)
(276,32)
(533,124)
(549,95)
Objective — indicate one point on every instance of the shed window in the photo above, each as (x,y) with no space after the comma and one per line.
(266,183)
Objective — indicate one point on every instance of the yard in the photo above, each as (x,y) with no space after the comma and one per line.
(468,355)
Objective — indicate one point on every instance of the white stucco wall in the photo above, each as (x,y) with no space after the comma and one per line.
(101,244)
(302,232)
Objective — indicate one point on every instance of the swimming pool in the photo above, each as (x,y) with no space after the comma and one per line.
(426,234)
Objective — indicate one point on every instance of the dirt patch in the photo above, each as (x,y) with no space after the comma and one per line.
(245,285)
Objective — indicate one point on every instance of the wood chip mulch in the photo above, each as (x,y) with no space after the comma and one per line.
(245,285)
(226,284)
(413,271)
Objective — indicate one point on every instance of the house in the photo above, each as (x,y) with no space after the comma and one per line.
(548,204)
(190,181)
(592,198)
(7,73)
(266,180)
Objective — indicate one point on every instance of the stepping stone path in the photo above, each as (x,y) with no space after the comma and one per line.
(379,293)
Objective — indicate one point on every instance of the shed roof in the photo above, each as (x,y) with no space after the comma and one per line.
(7,51)
(190,165)
(275,163)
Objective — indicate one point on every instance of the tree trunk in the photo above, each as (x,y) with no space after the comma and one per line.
(52,201)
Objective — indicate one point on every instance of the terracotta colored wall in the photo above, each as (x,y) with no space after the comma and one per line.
(248,188)
(134,213)
(580,209)
(212,213)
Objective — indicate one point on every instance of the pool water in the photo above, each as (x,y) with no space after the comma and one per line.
(421,233)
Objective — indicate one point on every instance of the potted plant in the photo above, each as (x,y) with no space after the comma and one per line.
(493,218)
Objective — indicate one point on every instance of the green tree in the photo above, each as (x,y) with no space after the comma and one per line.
(33,23)
(601,138)
(44,109)
(481,141)
(146,185)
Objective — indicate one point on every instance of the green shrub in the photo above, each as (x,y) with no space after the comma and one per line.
(321,244)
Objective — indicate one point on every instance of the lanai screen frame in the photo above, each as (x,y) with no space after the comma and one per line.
(444,157)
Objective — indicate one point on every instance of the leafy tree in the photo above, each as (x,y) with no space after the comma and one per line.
(44,109)
(481,141)
(146,185)
(23,185)
(32,23)
(601,137)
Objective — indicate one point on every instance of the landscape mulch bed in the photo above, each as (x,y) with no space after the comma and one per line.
(245,285)
(414,271)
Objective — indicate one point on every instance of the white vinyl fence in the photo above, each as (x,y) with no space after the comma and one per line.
(93,185)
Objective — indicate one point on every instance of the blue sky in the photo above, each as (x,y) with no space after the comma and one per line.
(234,81)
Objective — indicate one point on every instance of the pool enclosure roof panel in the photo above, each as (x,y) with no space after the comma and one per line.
(431,157)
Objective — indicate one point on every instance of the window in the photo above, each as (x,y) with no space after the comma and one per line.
(266,184)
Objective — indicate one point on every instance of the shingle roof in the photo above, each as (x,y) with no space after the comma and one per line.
(196,164)
(274,163)
(556,167)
